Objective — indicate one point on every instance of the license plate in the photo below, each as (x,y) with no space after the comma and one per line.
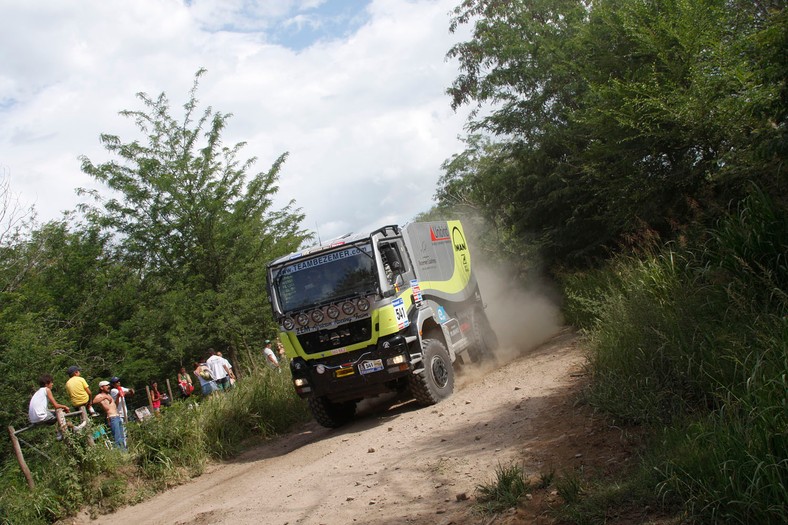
(373,365)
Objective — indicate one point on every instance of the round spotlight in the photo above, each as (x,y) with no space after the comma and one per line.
(317,315)
(288,323)
(333,311)
(362,305)
(348,308)
(302,319)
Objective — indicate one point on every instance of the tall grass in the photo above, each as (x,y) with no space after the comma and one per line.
(163,451)
(504,491)
(694,341)
(260,406)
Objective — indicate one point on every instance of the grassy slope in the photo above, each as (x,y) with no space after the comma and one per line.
(692,342)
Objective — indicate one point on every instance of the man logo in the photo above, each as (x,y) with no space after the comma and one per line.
(461,249)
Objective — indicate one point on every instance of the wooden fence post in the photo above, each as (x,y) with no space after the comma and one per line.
(169,389)
(60,415)
(88,435)
(20,458)
(150,400)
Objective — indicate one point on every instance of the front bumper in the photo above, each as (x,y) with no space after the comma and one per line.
(355,375)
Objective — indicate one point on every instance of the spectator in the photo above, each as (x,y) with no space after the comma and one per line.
(270,356)
(219,370)
(104,400)
(119,393)
(203,375)
(78,390)
(229,369)
(38,411)
(155,397)
(185,382)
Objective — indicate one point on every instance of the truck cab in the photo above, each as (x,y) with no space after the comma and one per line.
(390,310)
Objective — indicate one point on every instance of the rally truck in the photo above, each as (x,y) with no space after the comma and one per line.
(391,310)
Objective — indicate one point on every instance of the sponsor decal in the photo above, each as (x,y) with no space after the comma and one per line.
(414,285)
(336,351)
(442,316)
(439,233)
(323,259)
(331,324)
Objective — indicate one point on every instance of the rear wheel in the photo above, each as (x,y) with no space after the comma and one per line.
(332,415)
(436,382)
(485,342)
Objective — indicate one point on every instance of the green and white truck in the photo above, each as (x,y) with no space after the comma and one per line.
(390,310)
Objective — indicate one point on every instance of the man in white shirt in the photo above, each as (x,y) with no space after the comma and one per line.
(229,369)
(38,411)
(270,356)
(219,370)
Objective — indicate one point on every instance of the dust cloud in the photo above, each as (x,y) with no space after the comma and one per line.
(523,316)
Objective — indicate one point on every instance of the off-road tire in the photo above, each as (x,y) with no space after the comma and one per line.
(485,342)
(331,415)
(436,382)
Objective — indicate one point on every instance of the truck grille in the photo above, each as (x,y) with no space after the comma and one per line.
(337,337)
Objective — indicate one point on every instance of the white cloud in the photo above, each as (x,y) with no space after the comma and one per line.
(364,115)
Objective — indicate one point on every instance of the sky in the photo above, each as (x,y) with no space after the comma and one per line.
(353,90)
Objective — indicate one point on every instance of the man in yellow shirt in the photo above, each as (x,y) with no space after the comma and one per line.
(78,389)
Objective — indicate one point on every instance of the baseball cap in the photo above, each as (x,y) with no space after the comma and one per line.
(113,380)
(268,341)
(103,383)
(73,369)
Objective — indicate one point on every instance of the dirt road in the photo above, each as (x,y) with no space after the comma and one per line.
(399,463)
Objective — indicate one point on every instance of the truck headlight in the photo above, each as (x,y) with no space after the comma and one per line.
(396,360)
(300,382)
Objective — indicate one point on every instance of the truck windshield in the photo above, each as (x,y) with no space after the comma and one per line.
(326,277)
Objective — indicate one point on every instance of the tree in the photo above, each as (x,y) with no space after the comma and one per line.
(617,115)
(194,228)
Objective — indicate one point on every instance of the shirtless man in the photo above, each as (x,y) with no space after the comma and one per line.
(105,401)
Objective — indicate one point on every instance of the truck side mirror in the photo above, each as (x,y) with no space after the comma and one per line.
(392,258)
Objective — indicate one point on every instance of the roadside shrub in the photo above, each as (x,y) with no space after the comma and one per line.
(694,340)
(170,447)
(260,406)
(68,475)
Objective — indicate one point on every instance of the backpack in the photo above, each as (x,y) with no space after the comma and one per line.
(205,373)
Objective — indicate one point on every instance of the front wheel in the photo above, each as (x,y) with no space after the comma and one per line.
(436,382)
(331,415)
